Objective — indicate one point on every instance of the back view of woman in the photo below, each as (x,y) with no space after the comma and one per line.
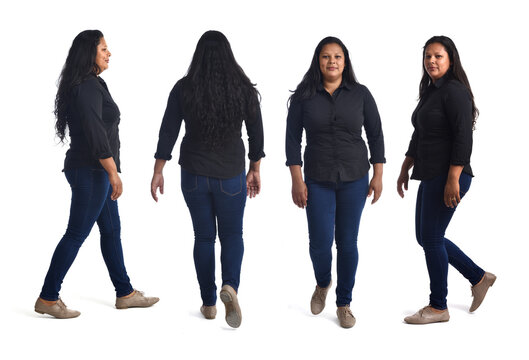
(213,99)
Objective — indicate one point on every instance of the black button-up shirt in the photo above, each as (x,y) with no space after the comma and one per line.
(195,156)
(443,129)
(335,150)
(93,119)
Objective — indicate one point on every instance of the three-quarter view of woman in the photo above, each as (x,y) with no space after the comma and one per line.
(213,100)
(332,108)
(83,105)
(439,152)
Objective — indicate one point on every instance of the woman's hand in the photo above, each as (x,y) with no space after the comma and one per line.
(156,183)
(404,177)
(376,183)
(117,186)
(299,193)
(299,188)
(110,167)
(451,195)
(253,183)
(157,178)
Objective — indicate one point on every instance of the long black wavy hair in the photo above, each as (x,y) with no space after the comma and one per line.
(455,66)
(217,92)
(312,78)
(80,63)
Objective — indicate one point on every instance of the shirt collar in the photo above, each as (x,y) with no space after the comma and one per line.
(344,84)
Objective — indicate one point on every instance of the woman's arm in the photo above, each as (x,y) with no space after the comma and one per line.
(376,182)
(110,167)
(157,178)
(451,194)
(404,176)
(299,188)
(253,179)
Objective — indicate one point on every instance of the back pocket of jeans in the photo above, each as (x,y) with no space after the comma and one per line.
(231,186)
(189,181)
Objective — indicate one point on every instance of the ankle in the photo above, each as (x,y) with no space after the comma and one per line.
(129,295)
(48,302)
(437,311)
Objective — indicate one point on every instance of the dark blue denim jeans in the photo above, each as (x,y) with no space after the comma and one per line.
(333,212)
(213,201)
(90,203)
(432,217)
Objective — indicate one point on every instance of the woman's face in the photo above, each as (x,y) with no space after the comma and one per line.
(332,62)
(436,61)
(103,55)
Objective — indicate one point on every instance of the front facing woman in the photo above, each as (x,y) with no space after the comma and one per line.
(84,106)
(332,107)
(439,153)
(213,99)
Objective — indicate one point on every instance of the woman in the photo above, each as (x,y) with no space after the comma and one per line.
(332,107)
(84,105)
(213,99)
(439,153)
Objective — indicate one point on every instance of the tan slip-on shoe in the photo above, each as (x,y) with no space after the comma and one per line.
(345,315)
(233,311)
(209,312)
(58,310)
(427,315)
(136,300)
(317,302)
(480,290)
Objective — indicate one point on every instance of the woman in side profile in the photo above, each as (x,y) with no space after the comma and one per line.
(84,106)
(439,153)
(214,99)
(332,108)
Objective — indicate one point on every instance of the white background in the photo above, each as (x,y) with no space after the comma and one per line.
(152,44)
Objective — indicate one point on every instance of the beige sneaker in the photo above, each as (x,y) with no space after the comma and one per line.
(317,302)
(480,290)
(427,315)
(209,312)
(136,300)
(233,311)
(345,315)
(58,310)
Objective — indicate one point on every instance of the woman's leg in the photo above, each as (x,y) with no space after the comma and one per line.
(434,219)
(110,230)
(89,191)
(229,202)
(350,201)
(199,201)
(321,211)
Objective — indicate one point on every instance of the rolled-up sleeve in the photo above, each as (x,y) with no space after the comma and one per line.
(89,101)
(254,129)
(458,105)
(373,128)
(294,134)
(170,128)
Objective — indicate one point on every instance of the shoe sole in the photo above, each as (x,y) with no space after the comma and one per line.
(56,317)
(233,316)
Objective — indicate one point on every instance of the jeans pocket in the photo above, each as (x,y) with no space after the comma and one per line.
(189,181)
(231,186)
